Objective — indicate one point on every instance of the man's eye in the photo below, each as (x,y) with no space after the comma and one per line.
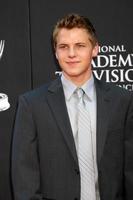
(81,45)
(62,47)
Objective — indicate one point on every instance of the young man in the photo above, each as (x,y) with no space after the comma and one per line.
(72,146)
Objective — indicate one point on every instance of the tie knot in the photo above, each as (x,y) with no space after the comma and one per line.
(80,93)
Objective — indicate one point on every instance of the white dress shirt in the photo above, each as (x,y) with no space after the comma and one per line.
(90,101)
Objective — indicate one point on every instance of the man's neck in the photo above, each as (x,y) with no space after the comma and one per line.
(78,81)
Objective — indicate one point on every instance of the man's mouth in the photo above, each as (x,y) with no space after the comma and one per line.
(72,62)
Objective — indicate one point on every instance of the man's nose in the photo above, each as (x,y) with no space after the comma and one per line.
(71,52)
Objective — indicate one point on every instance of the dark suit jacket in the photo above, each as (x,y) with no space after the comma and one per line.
(44,159)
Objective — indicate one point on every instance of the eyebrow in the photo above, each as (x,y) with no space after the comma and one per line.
(61,44)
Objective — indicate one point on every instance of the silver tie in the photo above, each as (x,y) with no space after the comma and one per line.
(85,150)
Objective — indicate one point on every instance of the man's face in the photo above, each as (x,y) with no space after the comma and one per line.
(74,52)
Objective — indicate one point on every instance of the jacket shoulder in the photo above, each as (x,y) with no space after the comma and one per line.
(115,90)
(37,94)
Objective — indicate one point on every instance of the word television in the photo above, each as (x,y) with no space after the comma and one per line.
(114,64)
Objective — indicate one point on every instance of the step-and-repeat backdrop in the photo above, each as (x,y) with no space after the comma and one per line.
(27,61)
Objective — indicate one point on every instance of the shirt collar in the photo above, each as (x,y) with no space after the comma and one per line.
(69,87)
(89,88)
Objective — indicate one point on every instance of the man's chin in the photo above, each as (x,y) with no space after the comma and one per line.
(72,74)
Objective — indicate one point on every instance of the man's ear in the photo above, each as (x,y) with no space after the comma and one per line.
(56,55)
(95,50)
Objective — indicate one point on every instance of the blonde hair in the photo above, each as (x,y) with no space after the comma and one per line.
(75,21)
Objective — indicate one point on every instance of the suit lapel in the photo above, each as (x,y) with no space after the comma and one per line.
(56,102)
(103,104)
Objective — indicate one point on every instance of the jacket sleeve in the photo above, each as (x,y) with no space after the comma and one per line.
(25,160)
(128,153)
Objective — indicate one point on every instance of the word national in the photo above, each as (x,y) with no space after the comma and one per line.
(113,48)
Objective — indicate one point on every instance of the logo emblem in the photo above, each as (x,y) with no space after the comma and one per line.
(4,104)
(2,44)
